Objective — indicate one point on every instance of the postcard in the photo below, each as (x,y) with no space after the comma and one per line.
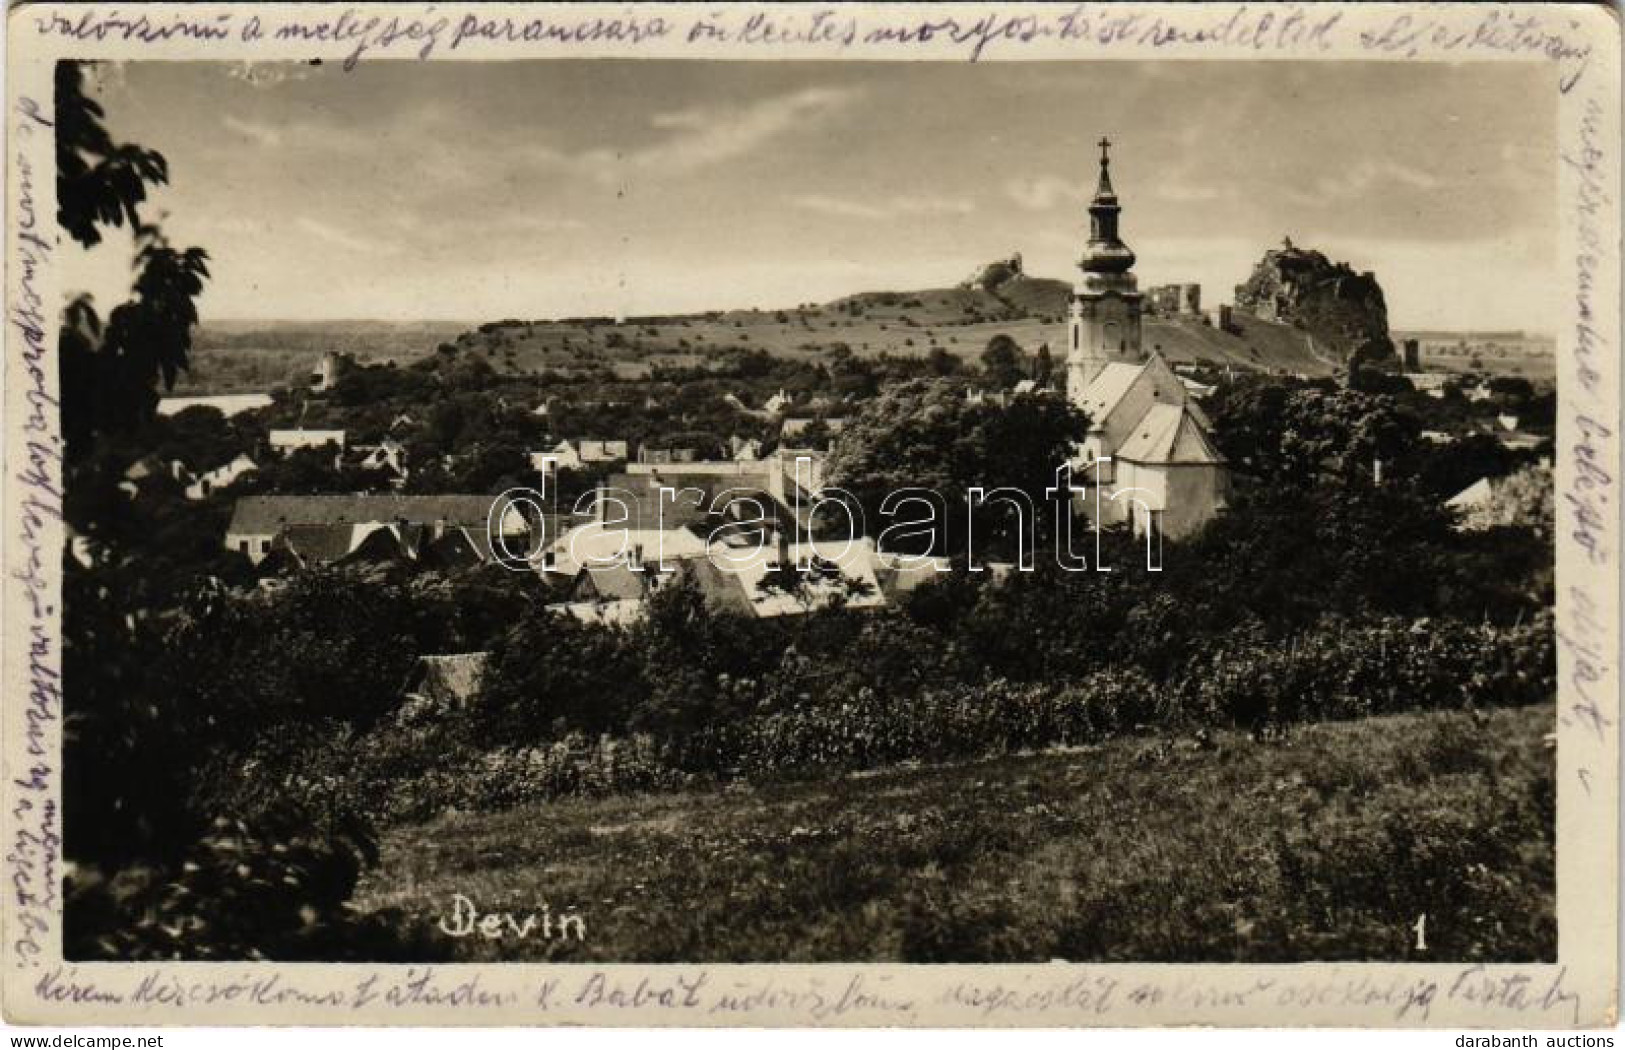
(812,515)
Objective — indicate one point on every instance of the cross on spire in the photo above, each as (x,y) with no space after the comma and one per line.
(1103,187)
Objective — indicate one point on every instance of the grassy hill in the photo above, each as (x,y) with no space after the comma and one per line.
(1329,846)
(242,356)
(958,320)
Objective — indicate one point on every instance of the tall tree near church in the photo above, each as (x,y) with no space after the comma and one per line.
(1043,366)
(1003,361)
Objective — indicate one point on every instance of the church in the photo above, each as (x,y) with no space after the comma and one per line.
(1150,445)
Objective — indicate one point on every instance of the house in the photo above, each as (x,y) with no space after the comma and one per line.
(1473,497)
(664,455)
(456,547)
(388,457)
(777,403)
(563,456)
(448,682)
(1430,383)
(148,467)
(840,572)
(328,528)
(847,576)
(213,480)
(782,486)
(745,450)
(1026,386)
(597,544)
(595,451)
(285,441)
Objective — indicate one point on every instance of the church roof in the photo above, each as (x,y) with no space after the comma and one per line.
(1169,434)
(1107,389)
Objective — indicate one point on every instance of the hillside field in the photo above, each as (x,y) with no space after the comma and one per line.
(1334,844)
(251,356)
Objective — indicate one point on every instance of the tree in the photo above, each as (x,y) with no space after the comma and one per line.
(1043,366)
(1003,361)
(110,372)
(1308,435)
(924,434)
(818,582)
(550,675)
(98,182)
(941,363)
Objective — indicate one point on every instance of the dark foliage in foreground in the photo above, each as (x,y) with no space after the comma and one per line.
(271,890)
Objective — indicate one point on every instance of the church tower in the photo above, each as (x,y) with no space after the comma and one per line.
(1105,312)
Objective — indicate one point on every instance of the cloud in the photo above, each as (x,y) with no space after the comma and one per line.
(1042,192)
(341,238)
(895,207)
(711,135)
(1362,178)
(261,134)
(700,137)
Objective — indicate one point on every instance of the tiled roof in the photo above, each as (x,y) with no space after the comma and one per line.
(270,514)
(1169,434)
(645,508)
(315,544)
(1107,389)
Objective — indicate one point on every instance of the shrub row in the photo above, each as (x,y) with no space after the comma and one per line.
(1337,671)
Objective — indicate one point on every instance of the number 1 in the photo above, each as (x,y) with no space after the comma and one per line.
(1421,929)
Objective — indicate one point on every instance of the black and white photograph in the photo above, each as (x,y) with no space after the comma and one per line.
(733,545)
(635,510)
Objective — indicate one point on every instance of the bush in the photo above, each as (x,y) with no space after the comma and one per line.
(1341,670)
(270,890)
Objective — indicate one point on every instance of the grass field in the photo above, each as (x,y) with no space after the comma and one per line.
(1331,845)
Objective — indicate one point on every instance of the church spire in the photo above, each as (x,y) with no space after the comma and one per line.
(1104,314)
(1106,253)
(1103,188)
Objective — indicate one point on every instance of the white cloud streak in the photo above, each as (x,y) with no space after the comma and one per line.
(1043,192)
(341,238)
(895,207)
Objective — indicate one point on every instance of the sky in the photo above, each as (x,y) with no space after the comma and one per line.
(476,191)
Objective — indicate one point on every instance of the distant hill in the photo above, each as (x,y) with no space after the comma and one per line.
(1000,298)
(237,356)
